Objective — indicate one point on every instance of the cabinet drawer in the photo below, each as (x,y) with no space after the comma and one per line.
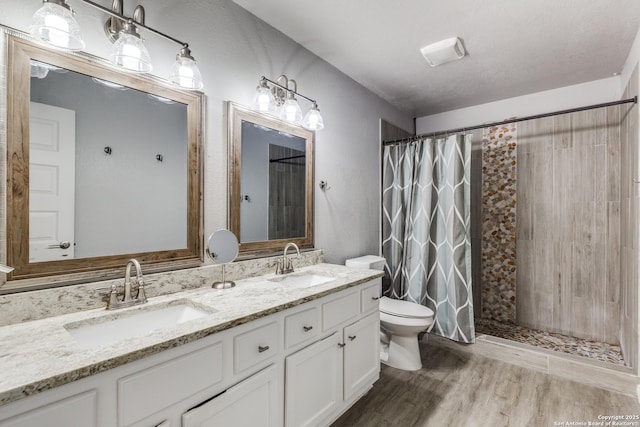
(79,410)
(253,402)
(340,310)
(158,387)
(254,346)
(301,326)
(369,297)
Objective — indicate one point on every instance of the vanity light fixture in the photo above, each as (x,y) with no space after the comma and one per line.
(281,98)
(129,51)
(264,101)
(313,120)
(185,72)
(290,110)
(55,25)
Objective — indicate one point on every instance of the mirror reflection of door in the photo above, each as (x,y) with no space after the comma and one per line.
(273,177)
(51,182)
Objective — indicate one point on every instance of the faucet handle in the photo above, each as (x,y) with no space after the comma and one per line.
(113,297)
(278,264)
(142,296)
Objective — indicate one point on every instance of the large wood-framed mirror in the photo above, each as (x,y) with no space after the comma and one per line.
(102,166)
(270,181)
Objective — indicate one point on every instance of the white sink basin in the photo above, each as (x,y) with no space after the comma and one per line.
(141,321)
(302,280)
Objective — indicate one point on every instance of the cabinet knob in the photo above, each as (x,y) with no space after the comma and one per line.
(375,298)
(352,337)
(262,349)
(307,328)
(341,344)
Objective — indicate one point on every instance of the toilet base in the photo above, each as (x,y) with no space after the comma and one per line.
(403,353)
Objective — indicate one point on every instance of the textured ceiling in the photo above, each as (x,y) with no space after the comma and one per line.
(514,47)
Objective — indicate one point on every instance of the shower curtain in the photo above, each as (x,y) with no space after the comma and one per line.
(426,230)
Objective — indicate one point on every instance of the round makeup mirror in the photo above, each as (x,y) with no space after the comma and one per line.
(222,248)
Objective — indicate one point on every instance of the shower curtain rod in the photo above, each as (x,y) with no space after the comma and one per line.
(505,122)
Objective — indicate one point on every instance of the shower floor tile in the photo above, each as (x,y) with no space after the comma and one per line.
(604,352)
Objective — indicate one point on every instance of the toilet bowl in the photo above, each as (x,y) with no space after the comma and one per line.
(400,323)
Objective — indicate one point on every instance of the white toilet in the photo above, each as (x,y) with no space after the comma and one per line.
(400,323)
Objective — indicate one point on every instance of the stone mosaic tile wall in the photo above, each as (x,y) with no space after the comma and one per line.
(499,223)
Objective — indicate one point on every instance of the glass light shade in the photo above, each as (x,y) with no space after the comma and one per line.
(313,119)
(264,101)
(291,111)
(185,73)
(55,25)
(130,53)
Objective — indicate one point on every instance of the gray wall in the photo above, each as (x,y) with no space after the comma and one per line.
(125,202)
(234,49)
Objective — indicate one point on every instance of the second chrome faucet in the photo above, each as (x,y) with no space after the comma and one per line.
(284,265)
(127,300)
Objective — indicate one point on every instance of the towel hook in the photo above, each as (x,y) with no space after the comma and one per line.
(324,186)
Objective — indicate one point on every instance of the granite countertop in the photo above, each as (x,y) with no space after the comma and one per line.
(39,355)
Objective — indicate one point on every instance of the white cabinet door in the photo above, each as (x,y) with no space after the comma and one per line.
(361,354)
(253,402)
(313,382)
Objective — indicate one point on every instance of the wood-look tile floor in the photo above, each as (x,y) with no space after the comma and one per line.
(458,389)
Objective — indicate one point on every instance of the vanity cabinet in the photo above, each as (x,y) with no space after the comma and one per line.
(302,366)
(325,378)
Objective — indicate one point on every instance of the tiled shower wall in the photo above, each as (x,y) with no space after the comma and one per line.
(629,228)
(568,224)
(498,276)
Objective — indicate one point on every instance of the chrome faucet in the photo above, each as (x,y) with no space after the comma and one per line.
(284,265)
(127,300)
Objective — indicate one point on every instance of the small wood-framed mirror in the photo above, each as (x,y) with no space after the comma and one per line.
(270,181)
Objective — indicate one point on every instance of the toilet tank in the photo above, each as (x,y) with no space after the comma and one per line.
(372,262)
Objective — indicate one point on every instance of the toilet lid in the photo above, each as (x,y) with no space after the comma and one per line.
(396,307)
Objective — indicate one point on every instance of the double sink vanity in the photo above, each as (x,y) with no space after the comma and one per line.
(294,350)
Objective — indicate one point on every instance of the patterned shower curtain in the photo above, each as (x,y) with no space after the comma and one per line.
(426,230)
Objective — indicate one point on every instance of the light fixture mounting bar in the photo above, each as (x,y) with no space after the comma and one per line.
(126,18)
(313,101)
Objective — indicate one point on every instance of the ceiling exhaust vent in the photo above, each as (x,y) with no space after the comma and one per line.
(443,51)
